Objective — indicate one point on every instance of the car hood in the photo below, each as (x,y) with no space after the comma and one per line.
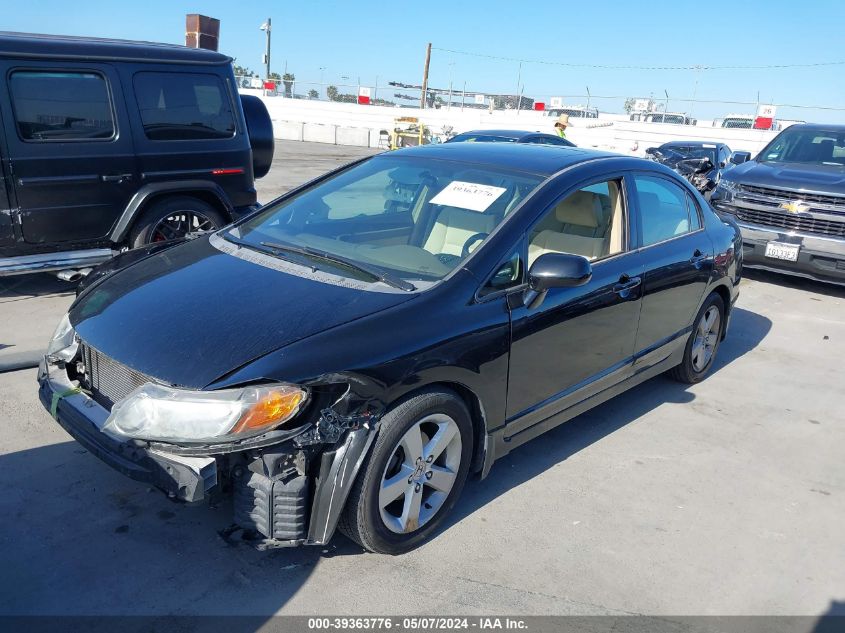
(192,314)
(823,179)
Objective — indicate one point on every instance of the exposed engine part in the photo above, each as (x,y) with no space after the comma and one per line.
(331,426)
(274,507)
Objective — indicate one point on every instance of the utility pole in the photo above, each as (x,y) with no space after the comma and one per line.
(449,107)
(518,89)
(463,96)
(425,76)
(266,28)
(694,90)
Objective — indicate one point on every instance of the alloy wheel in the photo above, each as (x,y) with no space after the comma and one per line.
(420,473)
(706,338)
(179,224)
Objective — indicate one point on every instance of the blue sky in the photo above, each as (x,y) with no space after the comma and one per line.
(386,40)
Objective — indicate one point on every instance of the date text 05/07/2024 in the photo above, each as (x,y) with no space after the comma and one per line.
(416,623)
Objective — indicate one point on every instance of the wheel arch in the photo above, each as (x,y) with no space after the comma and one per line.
(474,405)
(208,192)
(724,293)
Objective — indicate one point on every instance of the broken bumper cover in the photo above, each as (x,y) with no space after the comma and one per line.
(268,505)
(180,477)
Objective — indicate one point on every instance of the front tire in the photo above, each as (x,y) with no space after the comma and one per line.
(703,343)
(413,475)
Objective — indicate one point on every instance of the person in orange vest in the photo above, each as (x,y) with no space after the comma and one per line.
(561,124)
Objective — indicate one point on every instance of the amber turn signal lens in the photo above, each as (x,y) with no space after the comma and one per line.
(273,408)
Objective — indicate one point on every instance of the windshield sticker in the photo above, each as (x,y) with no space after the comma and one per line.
(468,195)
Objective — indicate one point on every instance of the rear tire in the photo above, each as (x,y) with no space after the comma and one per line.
(413,475)
(703,343)
(172,218)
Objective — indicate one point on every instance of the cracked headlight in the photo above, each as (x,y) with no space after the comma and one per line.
(160,413)
(63,345)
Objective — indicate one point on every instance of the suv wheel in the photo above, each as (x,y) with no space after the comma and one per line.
(413,476)
(703,342)
(174,218)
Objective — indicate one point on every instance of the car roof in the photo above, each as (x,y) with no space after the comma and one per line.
(517,134)
(691,143)
(538,159)
(821,127)
(38,46)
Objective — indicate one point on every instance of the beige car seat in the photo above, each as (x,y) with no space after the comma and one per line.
(454,227)
(582,230)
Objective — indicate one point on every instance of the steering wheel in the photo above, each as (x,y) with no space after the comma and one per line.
(472,239)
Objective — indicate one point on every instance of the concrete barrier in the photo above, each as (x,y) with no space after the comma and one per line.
(319,133)
(359,136)
(288,130)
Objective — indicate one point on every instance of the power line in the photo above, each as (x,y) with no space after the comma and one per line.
(716,101)
(631,67)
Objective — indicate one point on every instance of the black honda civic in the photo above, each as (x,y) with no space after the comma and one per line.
(361,345)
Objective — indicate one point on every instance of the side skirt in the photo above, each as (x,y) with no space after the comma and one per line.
(502,441)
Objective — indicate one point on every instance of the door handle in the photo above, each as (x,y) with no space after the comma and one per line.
(626,284)
(697,258)
(118,178)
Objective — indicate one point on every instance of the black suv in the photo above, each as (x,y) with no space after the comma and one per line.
(110,144)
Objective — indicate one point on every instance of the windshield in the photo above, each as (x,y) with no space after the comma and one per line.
(796,145)
(481,138)
(737,123)
(694,152)
(409,217)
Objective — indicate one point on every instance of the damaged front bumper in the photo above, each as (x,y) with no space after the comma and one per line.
(286,494)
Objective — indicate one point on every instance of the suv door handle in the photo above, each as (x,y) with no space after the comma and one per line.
(626,284)
(118,178)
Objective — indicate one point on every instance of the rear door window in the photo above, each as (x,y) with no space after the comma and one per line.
(664,209)
(182,106)
(61,106)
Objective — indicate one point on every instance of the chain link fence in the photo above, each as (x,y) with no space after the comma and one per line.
(465,95)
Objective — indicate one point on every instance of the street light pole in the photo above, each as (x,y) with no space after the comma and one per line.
(266,27)
(322,89)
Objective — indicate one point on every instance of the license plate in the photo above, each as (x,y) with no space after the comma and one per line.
(779,250)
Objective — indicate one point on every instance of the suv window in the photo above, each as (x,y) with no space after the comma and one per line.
(664,209)
(182,106)
(587,222)
(61,106)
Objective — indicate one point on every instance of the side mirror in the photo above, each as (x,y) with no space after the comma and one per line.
(556,270)
(737,158)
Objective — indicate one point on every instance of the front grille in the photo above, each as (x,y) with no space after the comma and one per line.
(791,222)
(774,197)
(109,380)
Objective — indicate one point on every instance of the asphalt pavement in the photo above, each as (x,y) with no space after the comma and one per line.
(726,497)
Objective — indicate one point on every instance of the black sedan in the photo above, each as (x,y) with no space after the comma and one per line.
(510,136)
(370,339)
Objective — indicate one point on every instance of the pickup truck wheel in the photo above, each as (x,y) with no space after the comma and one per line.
(173,218)
(703,342)
(413,475)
